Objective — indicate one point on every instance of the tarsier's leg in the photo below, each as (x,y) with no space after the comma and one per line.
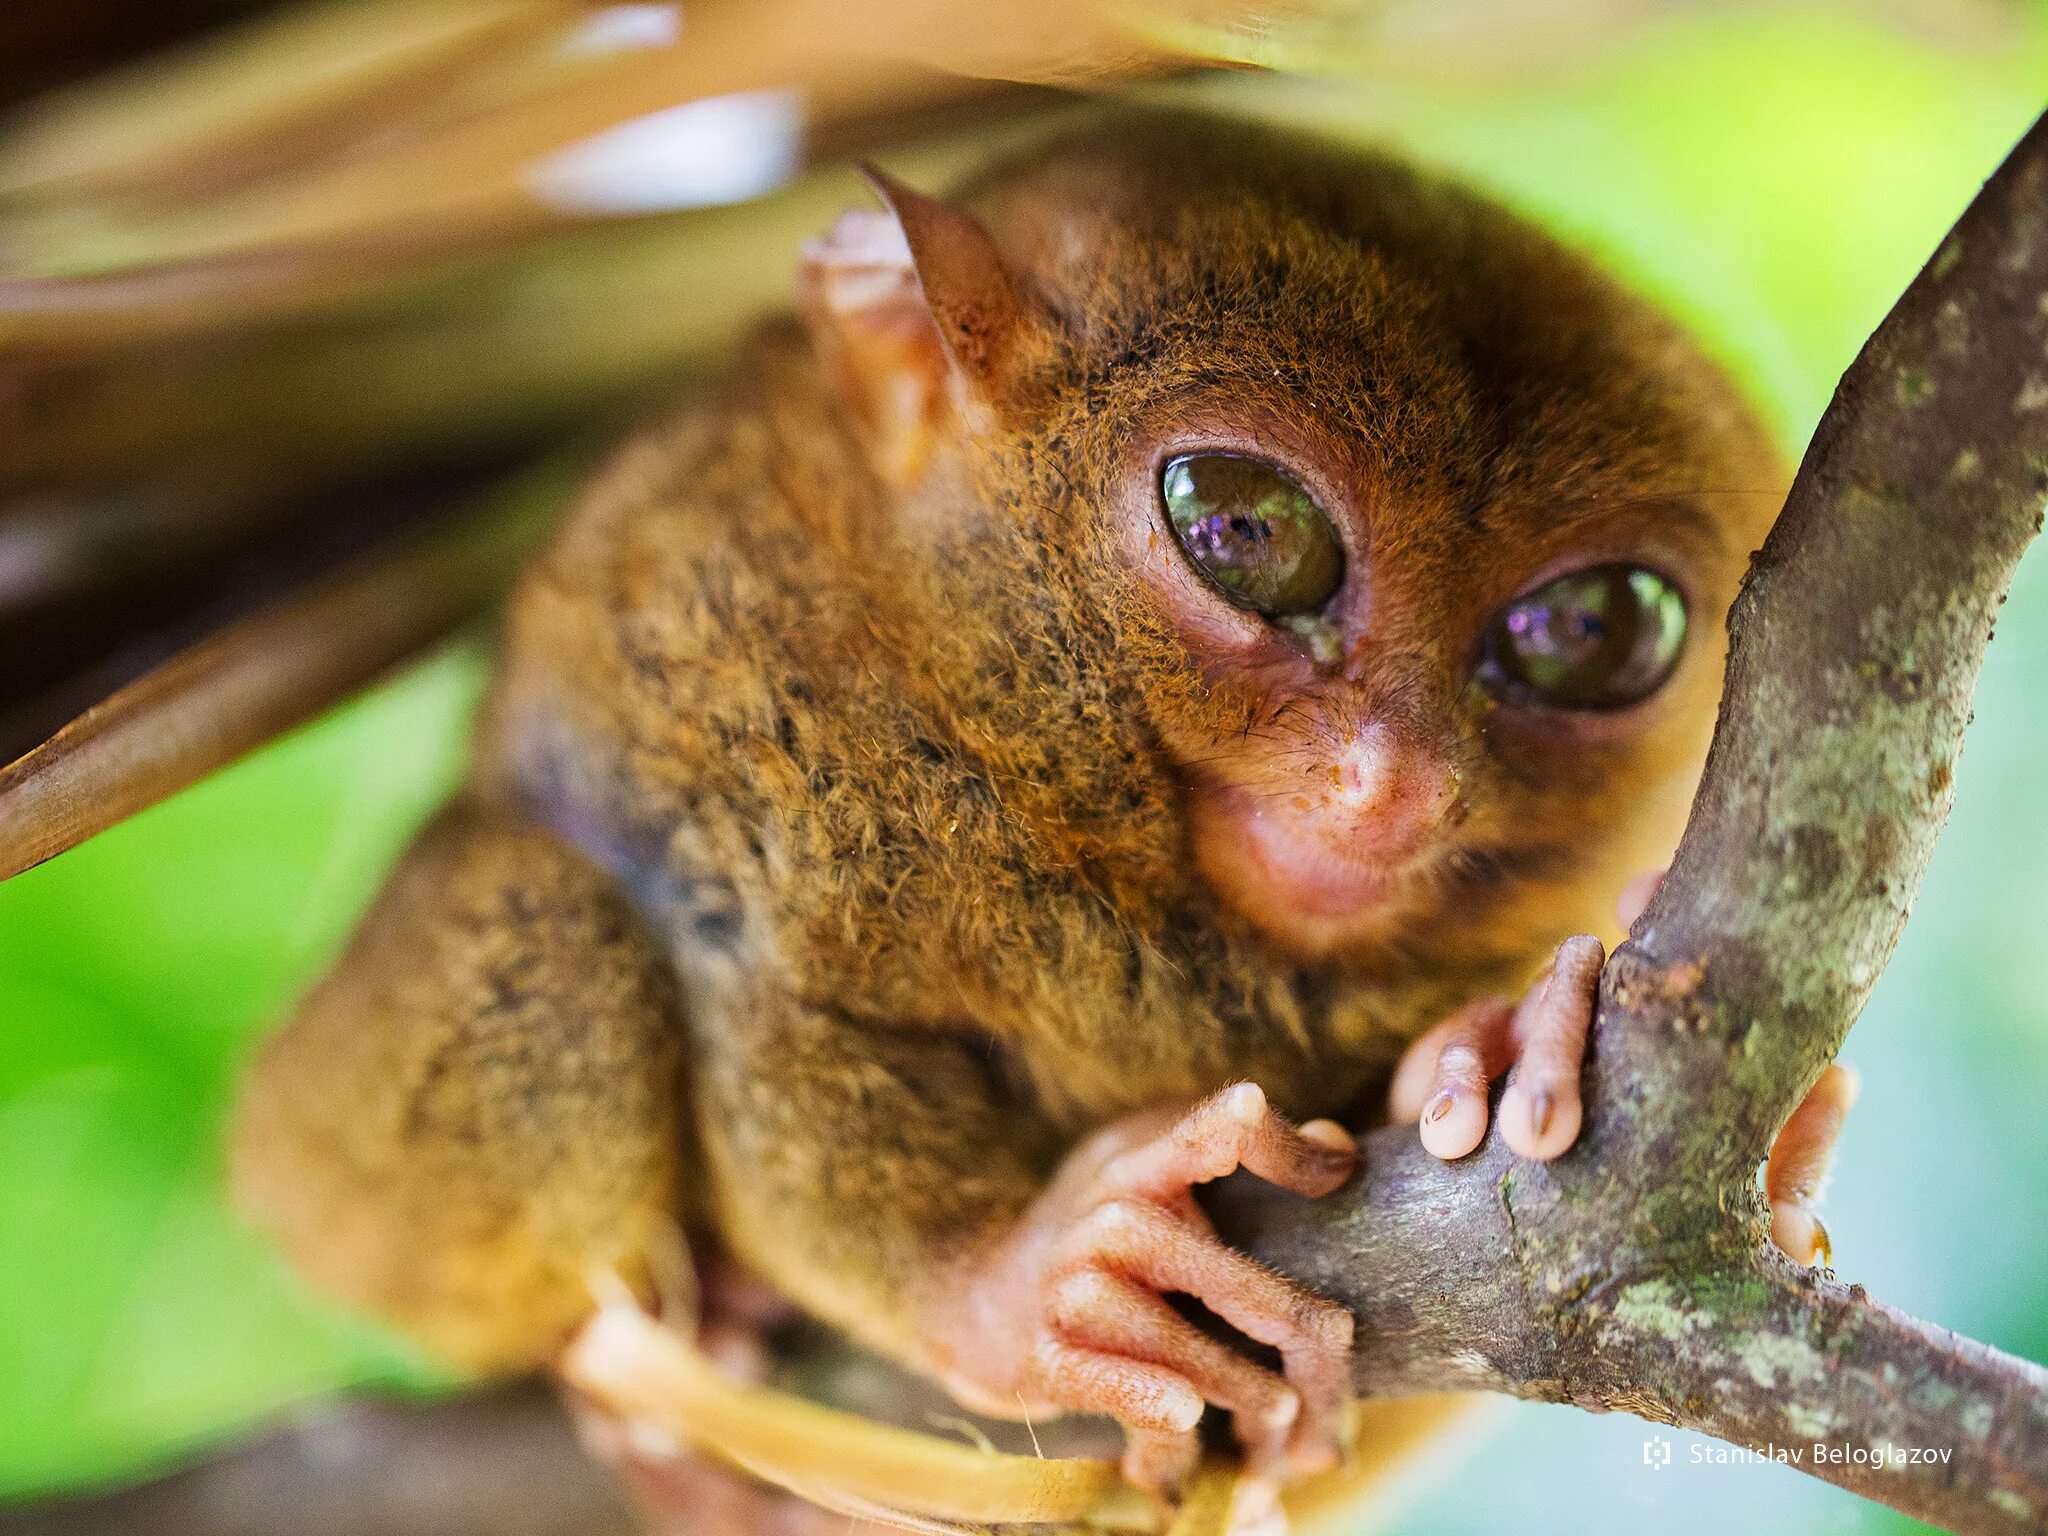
(889,1181)
(1443,1081)
(479,1105)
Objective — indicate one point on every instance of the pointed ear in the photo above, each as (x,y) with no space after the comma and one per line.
(915,318)
(965,287)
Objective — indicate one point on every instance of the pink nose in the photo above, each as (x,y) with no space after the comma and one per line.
(1388,793)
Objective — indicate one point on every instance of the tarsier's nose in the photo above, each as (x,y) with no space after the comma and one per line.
(1394,789)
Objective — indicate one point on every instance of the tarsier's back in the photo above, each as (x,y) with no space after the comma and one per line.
(1200,611)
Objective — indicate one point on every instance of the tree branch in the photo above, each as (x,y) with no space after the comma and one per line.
(502,1463)
(1634,1272)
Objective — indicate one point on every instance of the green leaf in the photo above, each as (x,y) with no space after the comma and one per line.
(136,1317)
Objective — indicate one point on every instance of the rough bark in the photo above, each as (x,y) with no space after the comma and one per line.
(1634,1272)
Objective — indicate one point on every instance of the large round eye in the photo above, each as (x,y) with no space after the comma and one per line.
(1254,532)
(1599,638)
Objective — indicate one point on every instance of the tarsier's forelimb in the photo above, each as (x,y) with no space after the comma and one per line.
(1026,1297)
(1539,1045)
(1119,1230)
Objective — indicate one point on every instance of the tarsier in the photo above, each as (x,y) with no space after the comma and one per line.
(1123,688)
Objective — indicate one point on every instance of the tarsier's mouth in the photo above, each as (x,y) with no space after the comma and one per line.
(1284,867)
(1323,877)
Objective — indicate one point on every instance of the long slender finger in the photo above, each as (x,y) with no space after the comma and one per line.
(1109,1313)
(1805,1148)
(1161,1461)
(1142,1242)
(1541,1111)
(1473,1050)
(1800,1235)
(1158,1409)
(1799,1163)
(1235,1128)
(1137,1395)
(1409,1093)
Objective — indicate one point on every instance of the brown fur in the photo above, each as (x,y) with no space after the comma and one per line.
(480,1105)
(896,776)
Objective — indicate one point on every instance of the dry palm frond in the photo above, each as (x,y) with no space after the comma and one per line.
(469,121)
(650,1377)
(292,72)
(263,675)
(490,347)
(645,1375)
(371,237)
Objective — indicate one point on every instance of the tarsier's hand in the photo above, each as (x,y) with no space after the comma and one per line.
(1069,1315)
(1540,1045)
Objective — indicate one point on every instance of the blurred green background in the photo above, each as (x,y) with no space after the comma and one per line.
(1773,174)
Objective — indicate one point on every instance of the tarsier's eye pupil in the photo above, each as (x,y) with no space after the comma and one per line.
(1600,638)
(1254,532)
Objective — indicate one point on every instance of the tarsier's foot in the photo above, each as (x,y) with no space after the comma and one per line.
(1069,1314)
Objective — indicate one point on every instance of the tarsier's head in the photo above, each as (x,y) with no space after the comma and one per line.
(1411,534)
